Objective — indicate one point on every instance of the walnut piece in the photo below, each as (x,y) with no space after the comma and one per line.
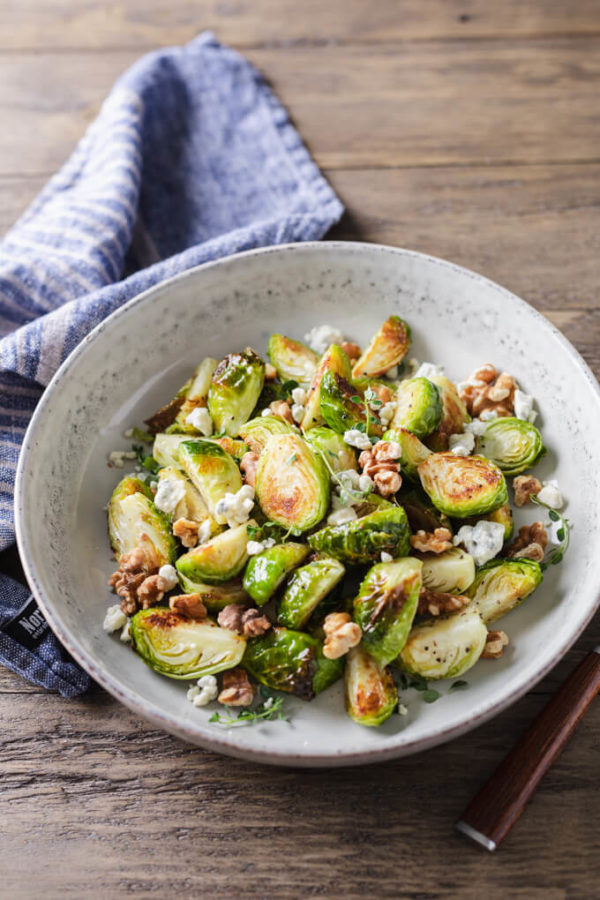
(432,541)
(248,622)
(381,464)
(237,690)
(249,465)
(524,486)
(530,543)
(341,634)
(435,603)
(352,351)
(484,390)
(187,532)
(129,581)
(495,643)
(190,605)
(283,410)
(270,372)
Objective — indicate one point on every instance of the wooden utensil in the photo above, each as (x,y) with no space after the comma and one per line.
(492,813)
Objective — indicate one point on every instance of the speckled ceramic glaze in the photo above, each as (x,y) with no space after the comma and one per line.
(135,360)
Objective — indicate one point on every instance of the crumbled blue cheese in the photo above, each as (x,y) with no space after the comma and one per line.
(204,691)
(386,557)
(200,419)
(267,411)
(168,574)
(321,337)
(117,457)
(550,495)
(482,541)
(462,444)
(342,515)
(488,414)
(298,413)
(476,427)
(358,439)
(402,709)
(169,493)
(125,635)
(235,508)
(523,405)
(253,548)
(114,619)
(365,484)
(429,370)
(387,413)
(299,396)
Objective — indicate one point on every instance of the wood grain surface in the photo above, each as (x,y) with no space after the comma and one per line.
(466,129)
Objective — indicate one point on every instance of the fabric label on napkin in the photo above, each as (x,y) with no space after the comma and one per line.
(28,626)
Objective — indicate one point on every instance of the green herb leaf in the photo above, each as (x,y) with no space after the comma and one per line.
(270,709)
(289,386)
(553,515)
(456,685)
(418,683)
(430,696)
(356,399)
(560,534)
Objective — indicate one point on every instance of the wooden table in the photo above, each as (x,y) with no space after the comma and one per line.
(463,128)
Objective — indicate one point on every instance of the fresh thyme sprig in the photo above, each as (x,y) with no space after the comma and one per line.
(268,711)
(562,533)
(345,491)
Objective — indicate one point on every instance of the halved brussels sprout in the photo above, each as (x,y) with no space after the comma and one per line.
(266,571)
(165,416)
(256,432)
(363,540)
(328,443)
(463,486)
(305,590)
(454,414)
(370,692)
(450,572)
(292,483)
(212,471)
(418,406)
(196,395)
(291,661)
(413,451)
(513,444)
(342,408)
(387,348)
(215,596)
(191,505)
(166,448)
(421,513)
(231,446)
(219,559)
(293,360)
(502,584)
(502,515)
(445,646)
(234,390)
(333,360)
(134,521)
(386,605)
(184,648)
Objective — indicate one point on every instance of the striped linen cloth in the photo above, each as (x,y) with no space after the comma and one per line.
(191,158)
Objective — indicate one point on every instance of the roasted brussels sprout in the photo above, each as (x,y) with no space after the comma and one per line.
(235,387)
(413,451)
(513,444)
(450,572)
(502,584)
(166,415)
(291,661)
(445,646)
(293,360)
(266,571)
(333,360)
(134,521)
(219,559)
(363,540)
(342,408)
(369,689)
(231,446)
(340,457)
(386,605)
(212,471)
(191,505)
(215,596)
(421,513)
(418,406)
(502,515)
(256,432)
(196,395)
(454,414)
(166,448)
(179,647)
(463,486)
(387,348)
(306,588)
(292,483)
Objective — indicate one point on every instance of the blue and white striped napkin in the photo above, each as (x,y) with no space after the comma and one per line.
(191,158)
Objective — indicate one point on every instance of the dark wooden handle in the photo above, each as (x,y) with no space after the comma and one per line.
(492,813)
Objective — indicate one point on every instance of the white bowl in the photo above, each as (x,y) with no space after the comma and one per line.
(135,360)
